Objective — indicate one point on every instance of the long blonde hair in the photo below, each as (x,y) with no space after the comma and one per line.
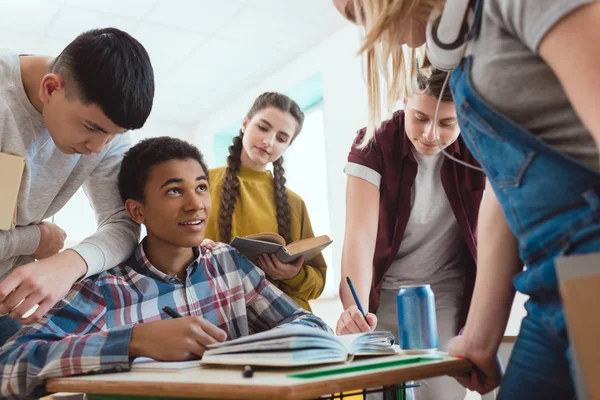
(384,58)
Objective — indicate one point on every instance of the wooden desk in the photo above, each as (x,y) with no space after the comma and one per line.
(275,383)
(509,339)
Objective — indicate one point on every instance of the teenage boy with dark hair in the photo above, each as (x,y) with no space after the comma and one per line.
(67,116)
(103,324)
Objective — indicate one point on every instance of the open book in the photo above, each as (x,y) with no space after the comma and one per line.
(11,172)
(271,243)
(297,345)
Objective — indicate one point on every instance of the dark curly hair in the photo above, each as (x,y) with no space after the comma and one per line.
(137,162)
(231,184)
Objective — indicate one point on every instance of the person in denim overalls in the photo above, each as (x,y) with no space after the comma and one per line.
(540,158)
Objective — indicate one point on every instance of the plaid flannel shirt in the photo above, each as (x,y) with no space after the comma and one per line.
(90,330)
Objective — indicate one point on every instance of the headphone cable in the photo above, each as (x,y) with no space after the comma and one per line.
(436,133)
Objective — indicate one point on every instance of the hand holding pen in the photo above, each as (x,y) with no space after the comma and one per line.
(354,319)
(174,338)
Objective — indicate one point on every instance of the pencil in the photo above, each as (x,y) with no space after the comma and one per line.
(356,298)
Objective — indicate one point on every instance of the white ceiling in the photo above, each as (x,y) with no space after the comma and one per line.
(204,52)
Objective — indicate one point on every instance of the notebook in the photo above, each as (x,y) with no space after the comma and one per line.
(579,278)
(271,243)
(11,172)
(297,345)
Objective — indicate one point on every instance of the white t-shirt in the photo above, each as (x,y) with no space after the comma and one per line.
(432,247)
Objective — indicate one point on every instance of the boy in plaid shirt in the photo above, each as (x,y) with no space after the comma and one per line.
(105,323)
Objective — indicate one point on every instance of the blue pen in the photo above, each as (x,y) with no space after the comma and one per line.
(356,298)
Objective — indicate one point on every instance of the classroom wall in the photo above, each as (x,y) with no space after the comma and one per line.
(154,128)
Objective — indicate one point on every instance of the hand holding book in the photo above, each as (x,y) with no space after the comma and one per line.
(253,246)
(278,270)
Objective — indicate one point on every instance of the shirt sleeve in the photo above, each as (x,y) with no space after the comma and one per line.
(267,306)
(71,339)
(364,173)
(117,233)
(20,241)
(366,163)
(531,21)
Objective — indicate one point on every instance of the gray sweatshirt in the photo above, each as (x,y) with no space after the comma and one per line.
(51,178)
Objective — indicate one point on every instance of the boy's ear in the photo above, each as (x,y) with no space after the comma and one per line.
(135,209)
(50,83)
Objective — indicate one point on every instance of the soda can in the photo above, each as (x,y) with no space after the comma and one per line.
(417,327)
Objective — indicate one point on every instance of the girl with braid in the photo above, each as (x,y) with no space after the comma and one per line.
(248,199)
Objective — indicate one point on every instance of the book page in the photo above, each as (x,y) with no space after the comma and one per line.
(307,248)
(290,345)
(299,246)
(286,343)
(270,237)
(146,364)
(369,343)
(286,331)
(278,358)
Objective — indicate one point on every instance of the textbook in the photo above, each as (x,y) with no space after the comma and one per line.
(145,364)
(297,345)
(271,243)
(11,172)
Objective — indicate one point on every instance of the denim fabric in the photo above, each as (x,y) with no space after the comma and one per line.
(546,378)
(8,327)
(551,202)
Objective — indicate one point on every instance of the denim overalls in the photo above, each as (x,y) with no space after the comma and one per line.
(552,204)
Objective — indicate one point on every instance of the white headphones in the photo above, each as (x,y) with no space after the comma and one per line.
(446,34)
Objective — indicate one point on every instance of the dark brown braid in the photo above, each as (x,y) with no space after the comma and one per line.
(284,221)
(231,184)
(231,188)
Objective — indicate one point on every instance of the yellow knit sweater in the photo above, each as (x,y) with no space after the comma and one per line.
(255,212)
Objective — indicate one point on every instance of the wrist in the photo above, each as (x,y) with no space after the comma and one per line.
(479,347)
(76,263)
(135,346)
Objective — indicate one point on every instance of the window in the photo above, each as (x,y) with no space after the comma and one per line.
(77,219)
(305,171)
